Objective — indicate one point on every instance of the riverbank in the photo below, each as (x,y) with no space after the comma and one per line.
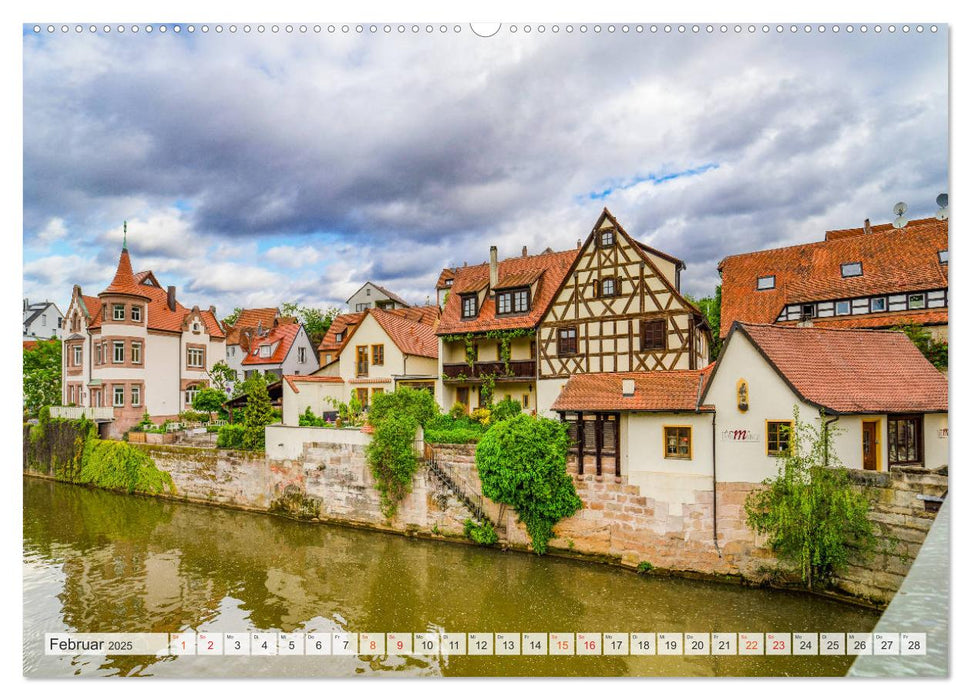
(321,475)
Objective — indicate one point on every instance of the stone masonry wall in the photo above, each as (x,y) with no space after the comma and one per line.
(621,524)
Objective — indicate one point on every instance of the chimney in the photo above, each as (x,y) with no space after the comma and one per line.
(866,226)
(171,298)
(525,254)
(579,244)
(26,303)
(493,267)
(627,387)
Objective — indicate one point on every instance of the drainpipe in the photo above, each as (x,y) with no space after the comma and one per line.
(826,424)
(714,487)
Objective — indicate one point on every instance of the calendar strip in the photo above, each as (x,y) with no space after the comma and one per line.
(488,644)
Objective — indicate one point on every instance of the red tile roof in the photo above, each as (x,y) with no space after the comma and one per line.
(413,336)
(281,336)
(30,345)
(251,319)
(662,391)
(894,261)
(159,316)
(293,379)
(551,268)
(851,371)
(447,275)
(341,324)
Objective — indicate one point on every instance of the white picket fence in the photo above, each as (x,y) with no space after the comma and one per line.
(89,412)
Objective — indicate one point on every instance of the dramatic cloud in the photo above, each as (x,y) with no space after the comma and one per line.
(255,169)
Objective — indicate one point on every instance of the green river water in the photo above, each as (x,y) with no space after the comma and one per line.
(100,562)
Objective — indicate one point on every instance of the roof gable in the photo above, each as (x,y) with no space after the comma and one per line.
(660,391)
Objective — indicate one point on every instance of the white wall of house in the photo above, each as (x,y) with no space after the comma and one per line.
(936,440)
(370,295)
(163,395)
(46,325)
(292,364)
(318,396)
(643,459)
(546,392)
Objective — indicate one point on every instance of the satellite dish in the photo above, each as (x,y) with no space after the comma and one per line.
(899,208)
(942,200)
(900,222)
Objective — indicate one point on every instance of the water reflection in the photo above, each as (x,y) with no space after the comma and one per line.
(100,562)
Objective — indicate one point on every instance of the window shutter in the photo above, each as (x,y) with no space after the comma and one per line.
(596,289)
(618,289)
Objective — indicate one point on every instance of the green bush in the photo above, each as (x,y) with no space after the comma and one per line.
(257,415)
(506,409)
(645,567)
(480,533)
(193,416)
(811,513)
(417,403)
(117,465)
(392,458)
(231,436)
(522,463)
(457,411)
(445,430)
(309,419)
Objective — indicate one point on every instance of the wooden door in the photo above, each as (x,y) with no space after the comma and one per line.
(870,445)
(462,397)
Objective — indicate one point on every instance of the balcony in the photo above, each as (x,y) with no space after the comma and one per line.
(95,413)
(519,370)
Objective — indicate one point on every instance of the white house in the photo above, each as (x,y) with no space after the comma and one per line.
(42,320)
(677,433)
(371,296)
(378,352)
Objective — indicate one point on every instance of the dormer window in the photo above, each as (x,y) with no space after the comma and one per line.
(765,282)
(942,257)
(470,305)
(264,351)
(448,283)
(852,269)
(339,337)
(606,238)
(512,302)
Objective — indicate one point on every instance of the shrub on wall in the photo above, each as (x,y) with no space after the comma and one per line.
(522,463)
(231,436)
(812,515)
(480,533)
(392,458)
(417,403)
(117,465)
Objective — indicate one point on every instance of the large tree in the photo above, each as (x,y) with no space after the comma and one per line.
(711,307)
(42,375)
(315,321)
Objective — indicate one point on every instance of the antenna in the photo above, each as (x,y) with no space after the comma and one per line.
(899,208)
(942,202)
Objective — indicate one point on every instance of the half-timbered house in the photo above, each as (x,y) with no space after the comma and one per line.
(618,309)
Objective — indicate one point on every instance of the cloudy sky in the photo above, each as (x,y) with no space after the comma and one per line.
(255,169)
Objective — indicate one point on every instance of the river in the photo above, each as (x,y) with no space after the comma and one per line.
(96,561)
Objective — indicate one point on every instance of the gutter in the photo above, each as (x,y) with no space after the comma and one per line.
(714,468)
(826,424)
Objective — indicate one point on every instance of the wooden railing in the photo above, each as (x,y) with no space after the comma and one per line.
(518,369)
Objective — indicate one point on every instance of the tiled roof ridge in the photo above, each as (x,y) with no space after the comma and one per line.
(546,252)
(838,240)
(776,326)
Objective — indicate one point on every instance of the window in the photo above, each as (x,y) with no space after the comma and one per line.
(367,292)
(905,445)
(842,308)
(119,351)
(362,397)
(77,355)
(231,351)
(265,351)
(136,313)
(777,436)
(118,312)
(339,337)
(515,301)
(118,395)
(566,341)
(101,353)
(136,353)
(606,238)
(942,257)
(377,354)
(878,304)
(767,282)
(364,306)
(807,312)
(136,395)
(608,287)
(104,312)
(43,320)
(301,355)
(362,364)
(853,269)
(677,442)
(59,320)
(654,335)
(195,357)
(327,359)
(525,401)
(915,301)
(190,394)
(376,391)
(469,305)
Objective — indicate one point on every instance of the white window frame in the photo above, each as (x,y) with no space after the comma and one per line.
(115,309)
(942,256)
(301,355)
(115,395)
(115,346)
(190,394)
(923,301)
(265,351)
(874,300)
(765,283)
(136,353)
(840,305)
(855,269)
(76,350)
(136,314)
(136,394)
(192,352)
